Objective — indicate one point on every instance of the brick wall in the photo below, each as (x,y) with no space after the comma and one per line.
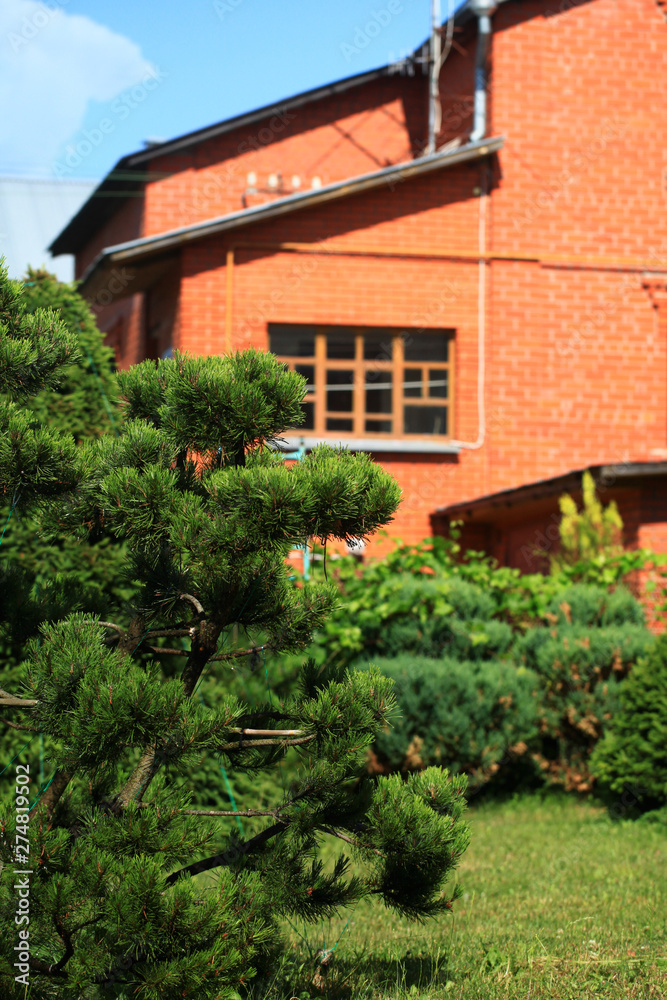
(576,341)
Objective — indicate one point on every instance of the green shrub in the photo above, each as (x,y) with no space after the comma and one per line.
(591,605)
(633,754)
(580,669)
(471,717)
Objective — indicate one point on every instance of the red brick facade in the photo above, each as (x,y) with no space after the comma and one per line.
(572,292)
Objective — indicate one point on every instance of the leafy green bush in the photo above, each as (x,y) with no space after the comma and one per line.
(471,717)
(633,754)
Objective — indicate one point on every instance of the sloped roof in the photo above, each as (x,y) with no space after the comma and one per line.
(129,174)
(148,248)
(493,506)
(127,177)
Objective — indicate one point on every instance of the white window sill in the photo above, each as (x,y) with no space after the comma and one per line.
(415,446)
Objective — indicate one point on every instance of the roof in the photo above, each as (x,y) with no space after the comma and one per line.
(127,177)
(146,249)
(31,211)
(492,506)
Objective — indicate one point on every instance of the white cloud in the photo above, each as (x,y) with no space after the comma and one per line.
(52,64)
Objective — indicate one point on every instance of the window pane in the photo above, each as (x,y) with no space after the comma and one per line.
(339,399)
(426,346)
(412,382)
(294,341)
(308,371)
(378,426)
(377,345)
(340,344)
(378,392)
(335,424)
(438,383)
(425,419)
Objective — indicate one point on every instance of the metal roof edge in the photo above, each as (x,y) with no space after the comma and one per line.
(394,174)
(57,245)
(605,474)
(249,117)
(139,157)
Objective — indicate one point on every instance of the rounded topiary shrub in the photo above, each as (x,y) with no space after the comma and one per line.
(630,763)
(474,717)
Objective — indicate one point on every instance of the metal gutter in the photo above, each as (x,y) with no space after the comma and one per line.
(389,177)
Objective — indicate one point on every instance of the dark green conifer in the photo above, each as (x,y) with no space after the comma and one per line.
(131,893)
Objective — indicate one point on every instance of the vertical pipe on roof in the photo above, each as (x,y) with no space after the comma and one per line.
(434,111)
(484,9)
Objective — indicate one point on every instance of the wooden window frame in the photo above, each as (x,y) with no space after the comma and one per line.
(360,367)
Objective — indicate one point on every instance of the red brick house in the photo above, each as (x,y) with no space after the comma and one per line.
(485,313)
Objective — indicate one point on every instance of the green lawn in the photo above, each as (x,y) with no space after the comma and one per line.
(559,903)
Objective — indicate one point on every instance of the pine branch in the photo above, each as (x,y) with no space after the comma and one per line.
(268,732)
(229,747)
(222,860)
(52,794)
(194,602)
(229,812)
(139,781)
(241,652)
(165,651)
(175,631)
(11,700)
(56,969)
(349,840)
(46,970)
(15,725)
(116,628)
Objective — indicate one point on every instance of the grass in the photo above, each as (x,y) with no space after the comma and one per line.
(559,903)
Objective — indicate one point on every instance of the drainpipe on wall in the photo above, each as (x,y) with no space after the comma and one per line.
(484,9)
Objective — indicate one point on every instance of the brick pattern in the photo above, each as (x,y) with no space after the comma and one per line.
(576,347)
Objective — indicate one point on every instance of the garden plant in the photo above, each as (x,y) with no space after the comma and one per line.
(131,891)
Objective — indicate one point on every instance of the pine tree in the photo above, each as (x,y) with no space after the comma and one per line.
(83,404)
(120,901)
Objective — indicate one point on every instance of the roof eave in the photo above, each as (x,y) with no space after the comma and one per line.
(494,503)
(133,250)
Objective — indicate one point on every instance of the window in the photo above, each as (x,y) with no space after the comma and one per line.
(371,381)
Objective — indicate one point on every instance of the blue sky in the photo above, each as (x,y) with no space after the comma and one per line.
(83,82)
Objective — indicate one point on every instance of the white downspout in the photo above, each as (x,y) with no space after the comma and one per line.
(483,9)
(481,325)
